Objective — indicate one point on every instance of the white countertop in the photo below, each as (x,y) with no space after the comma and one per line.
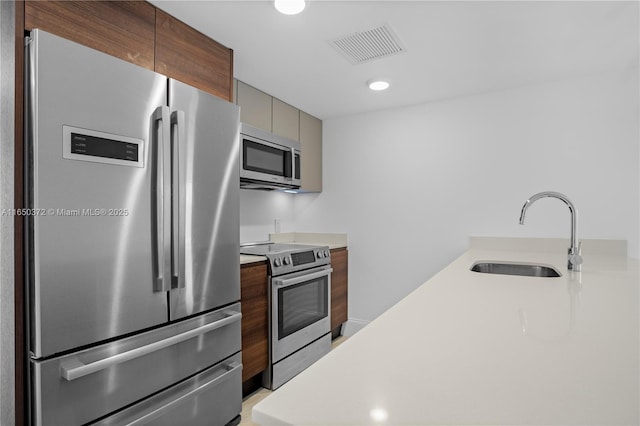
(470,348)
(245,258)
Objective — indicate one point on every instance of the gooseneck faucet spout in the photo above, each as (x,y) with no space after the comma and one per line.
(574,259)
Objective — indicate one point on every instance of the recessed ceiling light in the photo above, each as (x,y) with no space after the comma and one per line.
(289,7)
(378,85)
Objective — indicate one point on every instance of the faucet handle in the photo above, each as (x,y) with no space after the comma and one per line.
(575,259)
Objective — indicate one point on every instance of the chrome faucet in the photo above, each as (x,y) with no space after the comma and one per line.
(574,259)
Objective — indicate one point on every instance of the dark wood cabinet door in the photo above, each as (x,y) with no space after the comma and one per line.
(191,57)
(255,322)
(339,287)
(124,29)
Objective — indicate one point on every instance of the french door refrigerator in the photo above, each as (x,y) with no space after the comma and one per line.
(133,270)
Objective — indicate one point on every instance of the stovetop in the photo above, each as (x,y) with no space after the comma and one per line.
(285,258)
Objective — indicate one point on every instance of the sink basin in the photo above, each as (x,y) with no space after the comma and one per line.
(521,269)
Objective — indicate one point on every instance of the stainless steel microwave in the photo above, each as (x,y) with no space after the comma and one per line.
(268,161)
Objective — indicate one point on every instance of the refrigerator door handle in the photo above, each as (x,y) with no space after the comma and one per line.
(161,120)
(231,367)
(73,368)
(178,213)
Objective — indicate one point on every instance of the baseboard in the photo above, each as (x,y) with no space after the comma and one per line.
(352,326)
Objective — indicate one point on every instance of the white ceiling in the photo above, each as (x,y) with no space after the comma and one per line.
(454,48)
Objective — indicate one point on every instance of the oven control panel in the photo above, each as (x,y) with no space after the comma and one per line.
(285,258)
(293,261)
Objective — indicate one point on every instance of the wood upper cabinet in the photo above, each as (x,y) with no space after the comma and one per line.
(254,298)
(124,29)
(339,287)
(139,33)
(193,58)
(311,141)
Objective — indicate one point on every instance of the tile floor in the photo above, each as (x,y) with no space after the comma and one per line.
(260,394)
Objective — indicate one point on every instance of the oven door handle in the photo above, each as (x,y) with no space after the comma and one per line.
(286,282)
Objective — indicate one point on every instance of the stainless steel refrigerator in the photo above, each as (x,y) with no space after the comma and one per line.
(133,238)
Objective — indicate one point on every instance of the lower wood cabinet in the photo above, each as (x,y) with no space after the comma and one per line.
(255,321)
(339,288)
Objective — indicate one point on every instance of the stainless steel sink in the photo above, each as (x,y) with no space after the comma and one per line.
(521,269)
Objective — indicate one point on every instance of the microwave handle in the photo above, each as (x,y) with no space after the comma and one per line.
(288,163)
(284,282)
(296,166)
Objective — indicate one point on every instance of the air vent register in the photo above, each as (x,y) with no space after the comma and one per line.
(369,45)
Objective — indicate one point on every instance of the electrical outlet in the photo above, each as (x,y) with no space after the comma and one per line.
(276,226)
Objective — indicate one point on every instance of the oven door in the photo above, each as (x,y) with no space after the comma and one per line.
(300,306)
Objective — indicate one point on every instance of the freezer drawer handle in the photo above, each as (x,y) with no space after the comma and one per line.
(74,368)
(232,368)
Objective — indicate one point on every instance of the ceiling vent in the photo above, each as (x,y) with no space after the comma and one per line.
(365,46)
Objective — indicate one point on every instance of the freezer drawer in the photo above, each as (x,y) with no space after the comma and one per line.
(86,385)
(213,397)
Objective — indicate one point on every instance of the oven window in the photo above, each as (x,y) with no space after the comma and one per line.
(301,305)
(261,158)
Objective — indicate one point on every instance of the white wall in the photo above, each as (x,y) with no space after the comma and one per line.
(259,210)
(410,185)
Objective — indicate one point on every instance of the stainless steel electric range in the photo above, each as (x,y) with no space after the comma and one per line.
(299,307)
